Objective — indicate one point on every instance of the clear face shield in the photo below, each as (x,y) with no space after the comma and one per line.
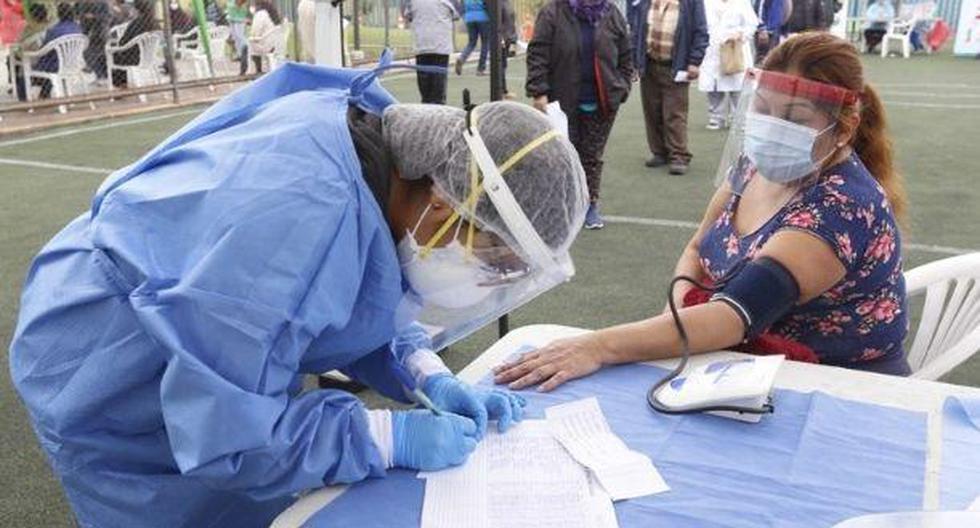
(785,130)
(489,267)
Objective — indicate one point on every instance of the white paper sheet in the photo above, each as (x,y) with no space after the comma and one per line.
(582,429)
(521,479)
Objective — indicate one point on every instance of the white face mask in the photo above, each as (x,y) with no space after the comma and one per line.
(446,276)
(781,150)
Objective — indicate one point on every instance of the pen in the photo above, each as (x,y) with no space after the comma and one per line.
(408,381)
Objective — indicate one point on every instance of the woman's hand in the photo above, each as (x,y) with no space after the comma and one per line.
(554,364)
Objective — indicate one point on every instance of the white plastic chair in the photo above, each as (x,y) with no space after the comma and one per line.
(217,36)
(116,33)
(188,49)
(69,49)
(272,45)
(147,71)
(898,31)
(949,331)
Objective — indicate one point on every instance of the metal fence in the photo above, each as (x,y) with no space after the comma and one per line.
(90,50)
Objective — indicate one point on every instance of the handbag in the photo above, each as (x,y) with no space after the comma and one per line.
(732,59)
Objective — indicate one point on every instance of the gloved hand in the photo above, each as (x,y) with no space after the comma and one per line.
(425,441)
(451,394)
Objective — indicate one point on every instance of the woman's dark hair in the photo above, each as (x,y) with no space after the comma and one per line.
(65,12)
(38,12)
(828,59)
(270,8)
(376,164)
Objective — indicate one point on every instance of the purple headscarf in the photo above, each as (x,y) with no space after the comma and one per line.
(589,10)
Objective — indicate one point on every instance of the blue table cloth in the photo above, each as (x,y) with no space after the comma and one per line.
(959,482)
(817,461)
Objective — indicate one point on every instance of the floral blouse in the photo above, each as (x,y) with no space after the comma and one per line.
(862,320)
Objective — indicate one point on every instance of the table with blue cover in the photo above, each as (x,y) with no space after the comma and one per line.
(841,444)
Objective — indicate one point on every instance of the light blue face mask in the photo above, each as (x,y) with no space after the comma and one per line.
(781,150)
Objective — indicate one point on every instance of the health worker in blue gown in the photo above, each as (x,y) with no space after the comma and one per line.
(302,224)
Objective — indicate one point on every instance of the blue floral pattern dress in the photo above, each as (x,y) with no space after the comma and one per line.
(862,321)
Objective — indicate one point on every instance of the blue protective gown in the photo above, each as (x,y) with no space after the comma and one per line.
(162,334)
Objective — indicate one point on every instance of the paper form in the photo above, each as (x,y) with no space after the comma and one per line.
(582,429)
(521,479)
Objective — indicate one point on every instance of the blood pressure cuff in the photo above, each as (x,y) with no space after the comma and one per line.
(760,294)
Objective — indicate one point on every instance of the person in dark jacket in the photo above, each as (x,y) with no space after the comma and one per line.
(669,41)
(49,61)
(580,56)
(808,15)
(94,18)
(143,23)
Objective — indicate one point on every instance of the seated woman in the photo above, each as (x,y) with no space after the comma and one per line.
(264,36)
(144,22)
(801,240)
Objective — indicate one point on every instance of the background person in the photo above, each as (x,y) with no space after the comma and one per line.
(772,15)
(804,233)
(48,62)
(238,16)
(728,21)
(180,21)
(669,38)
(808,15)
(265,21)
(878,16)
(580,57)
(144,22)
(477,28)
(432,33)
(95,18)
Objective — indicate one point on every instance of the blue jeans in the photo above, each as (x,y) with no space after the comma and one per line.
(476,30)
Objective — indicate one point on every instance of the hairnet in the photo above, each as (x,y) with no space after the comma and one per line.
(548,183)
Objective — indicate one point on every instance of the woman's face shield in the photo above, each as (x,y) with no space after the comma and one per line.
(455,288)
(786,127)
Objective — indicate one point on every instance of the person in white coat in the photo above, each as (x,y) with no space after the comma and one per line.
(265,35)
(727,20)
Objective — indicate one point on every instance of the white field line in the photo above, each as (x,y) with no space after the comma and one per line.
(95,128)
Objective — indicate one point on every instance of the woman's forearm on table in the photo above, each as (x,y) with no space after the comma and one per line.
(711,326)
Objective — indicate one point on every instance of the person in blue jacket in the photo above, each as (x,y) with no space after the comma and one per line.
(477,28)
(163,334)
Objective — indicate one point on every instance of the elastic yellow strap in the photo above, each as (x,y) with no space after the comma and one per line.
(477,190)
(526,149)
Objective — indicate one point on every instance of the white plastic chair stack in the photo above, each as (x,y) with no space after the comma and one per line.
(69,50)
(949,331)
(898,31)
(147,71)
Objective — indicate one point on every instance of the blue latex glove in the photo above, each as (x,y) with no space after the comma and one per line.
(451,394)
(429,442)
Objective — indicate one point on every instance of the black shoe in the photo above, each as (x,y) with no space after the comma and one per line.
(656,161)
(459,67)
(678,168)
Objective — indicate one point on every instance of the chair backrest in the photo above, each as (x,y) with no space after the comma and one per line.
(187,40)
(70,50)
(949,330)
(274,39)
(116,33)
(901,27)
(149,44)
(218,35)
